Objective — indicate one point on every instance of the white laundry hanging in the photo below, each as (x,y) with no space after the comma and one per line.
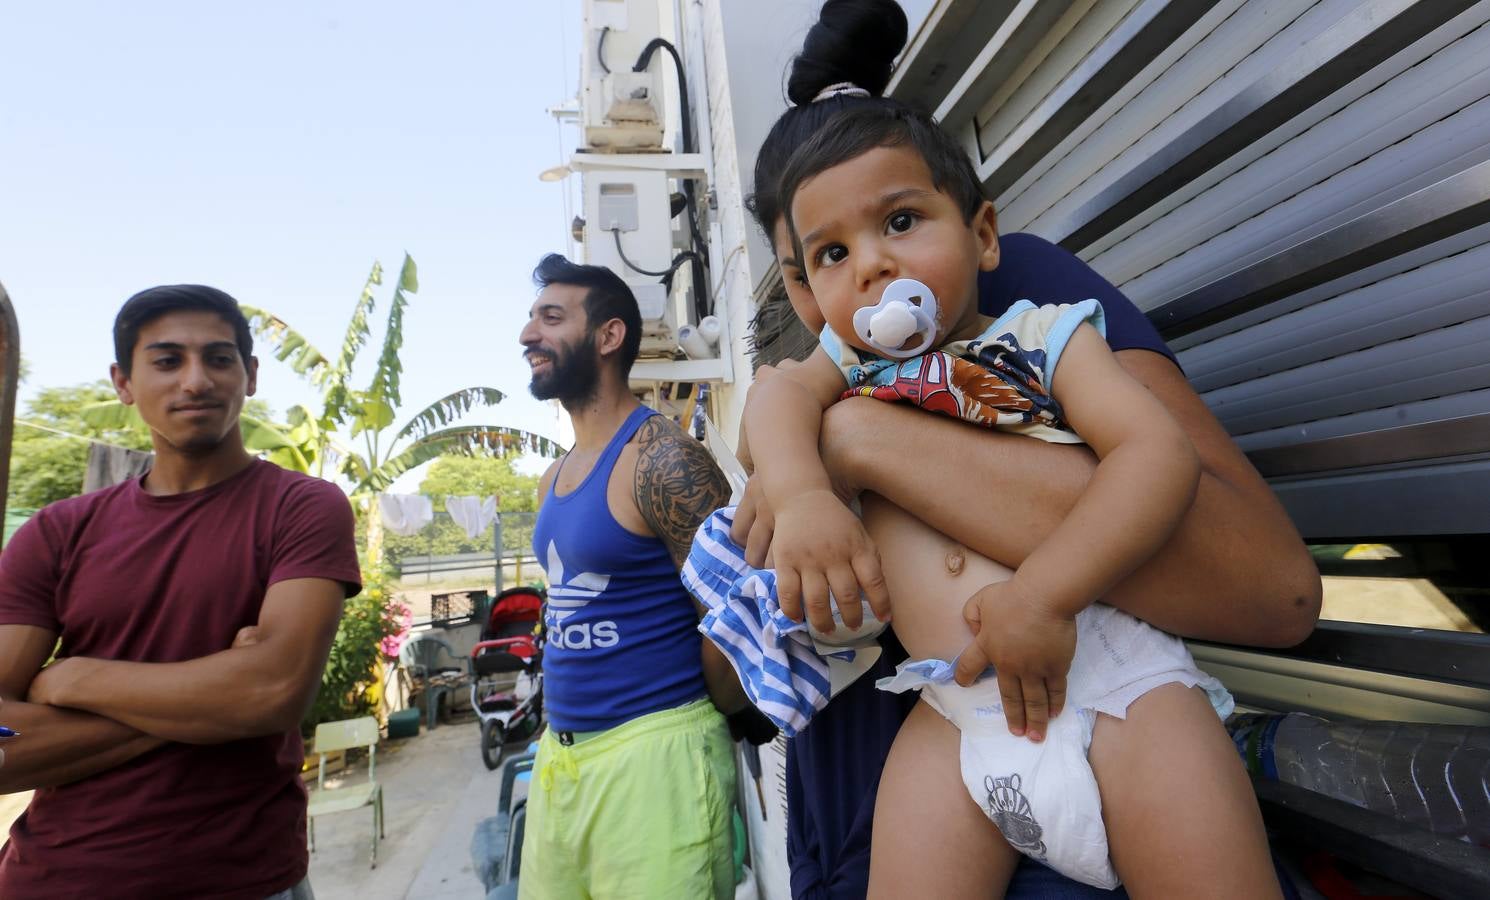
(473,514)
(405,514)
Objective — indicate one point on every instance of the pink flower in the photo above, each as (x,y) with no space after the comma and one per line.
(401,615)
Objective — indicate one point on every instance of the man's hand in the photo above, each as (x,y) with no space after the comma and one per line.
(822,546)
(750,724)
(51,684)
(272,670)
(1030,647)
(3,739)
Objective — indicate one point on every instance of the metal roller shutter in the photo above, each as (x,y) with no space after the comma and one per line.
(1298,193)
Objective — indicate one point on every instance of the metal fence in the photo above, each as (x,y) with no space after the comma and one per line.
(443,549)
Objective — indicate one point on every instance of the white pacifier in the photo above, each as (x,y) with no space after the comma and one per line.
(906,309)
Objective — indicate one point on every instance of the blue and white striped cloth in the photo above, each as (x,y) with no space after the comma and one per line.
(780,667)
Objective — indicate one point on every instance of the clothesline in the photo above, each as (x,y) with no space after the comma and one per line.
(68,434)
(407,514)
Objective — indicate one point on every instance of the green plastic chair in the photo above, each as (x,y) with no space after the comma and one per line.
(344,735)
(421,657)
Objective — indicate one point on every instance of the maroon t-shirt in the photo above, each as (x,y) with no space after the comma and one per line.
(124,575)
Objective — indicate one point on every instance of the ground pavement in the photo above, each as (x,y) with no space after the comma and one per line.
(435,790)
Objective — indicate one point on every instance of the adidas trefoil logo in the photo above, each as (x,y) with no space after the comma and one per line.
(567,595)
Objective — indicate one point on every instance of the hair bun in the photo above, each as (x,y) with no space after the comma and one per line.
(853,40)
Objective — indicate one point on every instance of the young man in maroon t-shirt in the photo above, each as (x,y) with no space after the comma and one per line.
(195,608)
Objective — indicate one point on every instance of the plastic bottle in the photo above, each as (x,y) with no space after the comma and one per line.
(1434,776)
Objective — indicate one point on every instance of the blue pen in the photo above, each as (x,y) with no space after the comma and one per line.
(6,732)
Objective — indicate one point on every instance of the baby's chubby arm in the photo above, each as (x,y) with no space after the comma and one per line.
(819,544)
(1144,482)
(1143,485)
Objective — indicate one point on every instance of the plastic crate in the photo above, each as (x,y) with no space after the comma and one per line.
(459,608)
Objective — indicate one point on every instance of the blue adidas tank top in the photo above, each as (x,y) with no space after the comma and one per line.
(623,635)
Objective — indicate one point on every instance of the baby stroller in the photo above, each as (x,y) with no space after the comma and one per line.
(507,671)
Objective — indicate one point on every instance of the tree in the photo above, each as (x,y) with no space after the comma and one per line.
(49,450)
(369,414)
(355,662)
(474,476)
(385,453)
(255,423)
(481,476)
(49,454)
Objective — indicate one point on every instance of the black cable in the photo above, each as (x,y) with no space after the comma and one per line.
(600,50)
(641,66)
(701,301)
(678,260)
(689,146)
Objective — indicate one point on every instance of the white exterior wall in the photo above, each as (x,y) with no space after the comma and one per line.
(736,54)
(746,47)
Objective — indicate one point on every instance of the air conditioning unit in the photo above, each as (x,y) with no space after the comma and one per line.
(623,110)
(629,100)
(635,220)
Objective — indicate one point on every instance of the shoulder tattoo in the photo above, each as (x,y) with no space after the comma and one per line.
(677,484)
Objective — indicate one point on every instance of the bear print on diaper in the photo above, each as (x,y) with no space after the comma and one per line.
(1010,811)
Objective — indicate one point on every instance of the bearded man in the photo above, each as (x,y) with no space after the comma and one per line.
(635,774)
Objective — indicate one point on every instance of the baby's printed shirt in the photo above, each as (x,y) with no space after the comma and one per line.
(1000,379)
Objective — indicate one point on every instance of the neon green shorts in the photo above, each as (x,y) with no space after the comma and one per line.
(639,811)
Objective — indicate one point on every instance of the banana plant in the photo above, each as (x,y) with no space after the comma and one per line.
(367,416)
(258,435)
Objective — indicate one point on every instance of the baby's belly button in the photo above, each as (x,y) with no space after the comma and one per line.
(955,559)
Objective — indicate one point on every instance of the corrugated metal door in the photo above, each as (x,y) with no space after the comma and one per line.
(1298,193)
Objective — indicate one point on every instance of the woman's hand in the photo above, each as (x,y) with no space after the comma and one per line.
(754,525)
(821,546)
(754,521)
(1030,646)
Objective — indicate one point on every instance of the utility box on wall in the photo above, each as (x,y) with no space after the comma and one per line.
(628,230)
(627,217)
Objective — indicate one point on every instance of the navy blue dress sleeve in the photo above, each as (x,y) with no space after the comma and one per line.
(802,845)
(829,818)
(1032,268)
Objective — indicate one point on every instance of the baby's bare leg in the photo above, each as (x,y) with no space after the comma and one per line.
(1180,814)
(930,839)
(1181,817)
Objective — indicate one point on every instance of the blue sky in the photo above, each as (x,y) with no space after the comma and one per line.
(275,150)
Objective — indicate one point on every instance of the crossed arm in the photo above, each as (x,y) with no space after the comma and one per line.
(81,716)
(56,746)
